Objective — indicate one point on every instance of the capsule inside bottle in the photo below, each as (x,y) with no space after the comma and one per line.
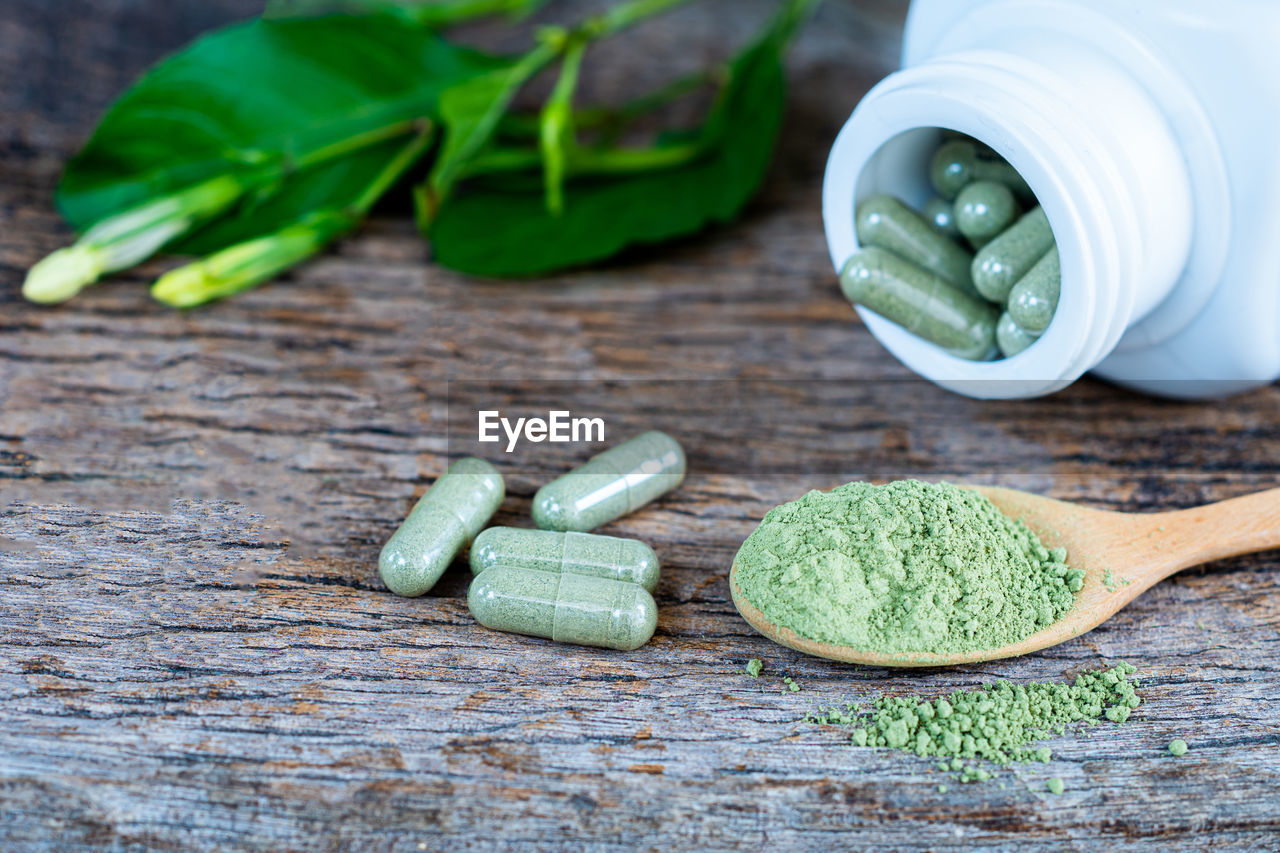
(920,302)
(1006,259)
(888,223)
(984,210)
(1034,300)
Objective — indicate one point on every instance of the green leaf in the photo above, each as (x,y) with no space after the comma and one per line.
(261,98)
(470,111)
(507,233)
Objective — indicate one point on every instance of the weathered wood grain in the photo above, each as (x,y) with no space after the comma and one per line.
(196,651)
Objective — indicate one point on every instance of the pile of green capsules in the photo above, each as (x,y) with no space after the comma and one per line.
(559,581)
(972,272)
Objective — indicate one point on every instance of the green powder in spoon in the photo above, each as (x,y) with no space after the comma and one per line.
(904,567)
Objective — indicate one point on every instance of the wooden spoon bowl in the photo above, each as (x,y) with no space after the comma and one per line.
(1139,550)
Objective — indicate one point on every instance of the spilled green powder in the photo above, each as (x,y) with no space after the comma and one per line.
(902,568)
(754,666)
(998,721)
(1177,747)
(1055,785)
(833,716)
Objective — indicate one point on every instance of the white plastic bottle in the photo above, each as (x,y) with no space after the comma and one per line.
(1149,131)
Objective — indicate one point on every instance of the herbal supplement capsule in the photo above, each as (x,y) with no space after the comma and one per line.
(1000,264)
(884,222)
(1034,299)
(959,163)
(941,215)
(618,481)
(1012,338)
(920,302)
(578,553)
(564,607)
(442,523)
(983,210)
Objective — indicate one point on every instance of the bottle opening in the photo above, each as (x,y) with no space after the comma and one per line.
(1084,143)
(887,149)
(953,246)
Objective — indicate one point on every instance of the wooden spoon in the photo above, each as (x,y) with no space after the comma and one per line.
(1139,550)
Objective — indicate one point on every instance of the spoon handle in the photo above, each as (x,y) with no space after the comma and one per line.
(1225,529)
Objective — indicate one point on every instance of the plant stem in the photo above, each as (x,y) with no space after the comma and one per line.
(237,268)
(627,14)
(440,14)
(351,144)
(244,265)
(613,122)
(558,136)
(395,168)
(614,161)
(590,162)
(503,160)
(618,117)
(129,237)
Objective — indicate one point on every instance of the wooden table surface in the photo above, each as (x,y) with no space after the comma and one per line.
(196,650)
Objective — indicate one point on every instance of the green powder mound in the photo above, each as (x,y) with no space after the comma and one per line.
(902,568)
(997,722)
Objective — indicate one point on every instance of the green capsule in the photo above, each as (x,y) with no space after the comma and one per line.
(1005,260)
(959,163)
(920,302)
(984,209)
(567,608)
(452,512)
(579,553)
(884,222)
(1034,299)
(618,481)
(942,216)
(1012,338)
